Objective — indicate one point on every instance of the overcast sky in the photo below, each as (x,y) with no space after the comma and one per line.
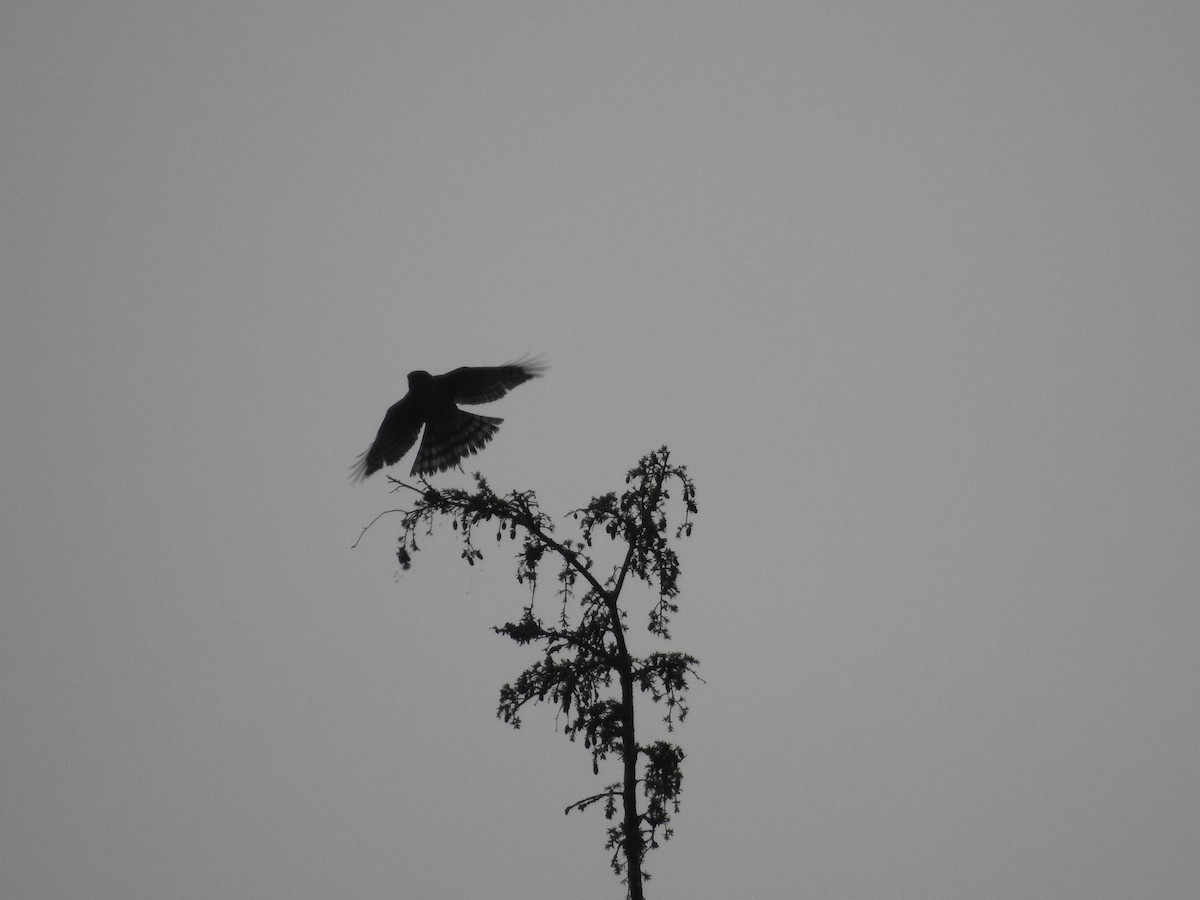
(913,289)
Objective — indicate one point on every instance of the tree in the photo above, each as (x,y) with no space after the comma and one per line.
(586,669)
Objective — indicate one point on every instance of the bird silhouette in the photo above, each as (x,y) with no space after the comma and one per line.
(451,434)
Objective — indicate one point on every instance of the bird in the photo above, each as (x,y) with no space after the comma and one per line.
(451,434)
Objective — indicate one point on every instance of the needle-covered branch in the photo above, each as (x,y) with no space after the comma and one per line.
(586,670)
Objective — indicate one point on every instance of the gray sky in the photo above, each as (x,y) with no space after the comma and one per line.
(911,288)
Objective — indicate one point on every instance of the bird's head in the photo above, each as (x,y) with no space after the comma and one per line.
(419,379)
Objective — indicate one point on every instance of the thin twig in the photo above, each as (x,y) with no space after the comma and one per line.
(373,521)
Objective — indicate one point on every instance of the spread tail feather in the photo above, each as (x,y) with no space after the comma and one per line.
(452,438)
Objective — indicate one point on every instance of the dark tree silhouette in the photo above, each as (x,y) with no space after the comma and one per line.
(586,669)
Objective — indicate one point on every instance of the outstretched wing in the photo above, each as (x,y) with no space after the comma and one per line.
(396,435)
(483,384)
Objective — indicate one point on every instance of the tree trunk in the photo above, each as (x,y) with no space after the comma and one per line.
(631,823)
(629,753)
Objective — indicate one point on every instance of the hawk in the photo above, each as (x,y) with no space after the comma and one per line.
(451,434)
